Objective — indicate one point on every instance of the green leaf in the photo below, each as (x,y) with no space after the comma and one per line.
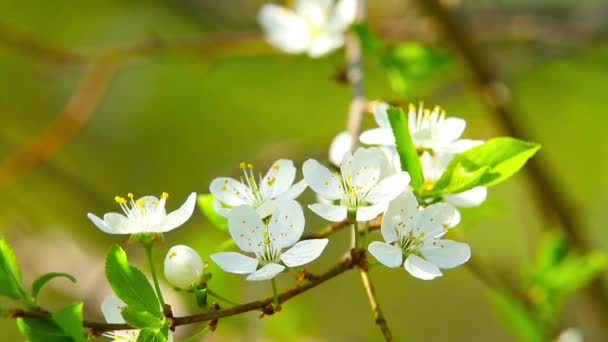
(154,335)
(141,318)
(130,284)
(38,330)
(69,320)
(11,284)
(515,316)
(407,63)
(408,155)
(485,165)
(205,203)
(371,42)
(575,272)
(39,283)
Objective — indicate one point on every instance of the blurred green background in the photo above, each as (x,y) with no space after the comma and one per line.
(174,119)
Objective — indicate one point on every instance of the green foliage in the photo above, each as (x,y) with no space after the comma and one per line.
(154,334)
(65,325)
(408,155)
(41,281)
(11,284)
(139,318)
(484,165)
(514,314)
(69,320)
(131,285)
(371,42)
(205,203)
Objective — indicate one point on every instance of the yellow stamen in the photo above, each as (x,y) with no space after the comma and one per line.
(164,195)
(250,166)
(121,200)
(243,165)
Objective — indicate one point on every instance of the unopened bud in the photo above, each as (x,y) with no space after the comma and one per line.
(183,266)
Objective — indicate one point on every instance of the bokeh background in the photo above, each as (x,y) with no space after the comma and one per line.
(205,92)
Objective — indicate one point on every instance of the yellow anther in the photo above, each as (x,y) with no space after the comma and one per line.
(276,167)
(223,188)
(140,203)
(271,180)
(243,165)
(130,194)
(265,234)
(156,202)
(121,200)
(250,166)
(412,107)
(172,255)
(164,195)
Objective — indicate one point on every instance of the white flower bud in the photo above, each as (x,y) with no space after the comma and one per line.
(183,266)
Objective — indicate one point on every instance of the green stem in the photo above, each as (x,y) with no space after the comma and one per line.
(219,297)
(148,248)
(196,336)
(356,235)
(275,292)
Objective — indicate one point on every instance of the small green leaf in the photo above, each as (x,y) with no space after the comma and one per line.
(39,283)
(38,330)
(205,203)
(370,41)
(575,272)
(141,318)
(410,161)
(11,284)
(154,335)
(495,160)
(130,284)
(69,320)
(520,321)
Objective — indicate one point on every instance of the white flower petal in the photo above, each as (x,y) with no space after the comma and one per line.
(388,255)
(321,180)
(389,188)
(113,223)
(286,224)
(341,144)
(446,253)
(182,266)
(314,11)
(235,262)
(246,228)
(267,208)
(450,130)
(220,209)
(381,115)
(278,179)
(231,191)
(367,164)
(436,219)
(469,198)
(459,146)
(179,216)
(342,15)
(295,191)
(304,252)
(378,136)
(325,43)
(370,212)
(330,212)
(284,28)
(400,216)
(111,308)
(269,271)
(421,268)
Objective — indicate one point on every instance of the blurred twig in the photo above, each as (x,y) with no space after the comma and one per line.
(373,302)
(497,97)
(76,114)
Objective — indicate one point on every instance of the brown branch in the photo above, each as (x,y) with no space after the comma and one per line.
(76,114)
(497,97)
(265,305)
(373,302)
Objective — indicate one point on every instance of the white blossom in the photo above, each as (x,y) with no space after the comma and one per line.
(313,26)
(267,242)
(144,215)
(359,188)
(413,238)
(183,266)
(260,193)
(111,308)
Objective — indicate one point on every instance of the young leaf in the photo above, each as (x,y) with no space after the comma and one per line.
(520,321)
(370,41)
(500,157)
(206,204)
(11,284)
(38,330)
(140,319)
(154,335)
(410,161)
(69,320)
(39,283)
(130,284)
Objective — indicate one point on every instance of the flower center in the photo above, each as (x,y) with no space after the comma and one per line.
(270,253)
(251,182)
(146,211)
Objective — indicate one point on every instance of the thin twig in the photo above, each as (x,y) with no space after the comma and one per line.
(497,97)
(373,302)
(76,114)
